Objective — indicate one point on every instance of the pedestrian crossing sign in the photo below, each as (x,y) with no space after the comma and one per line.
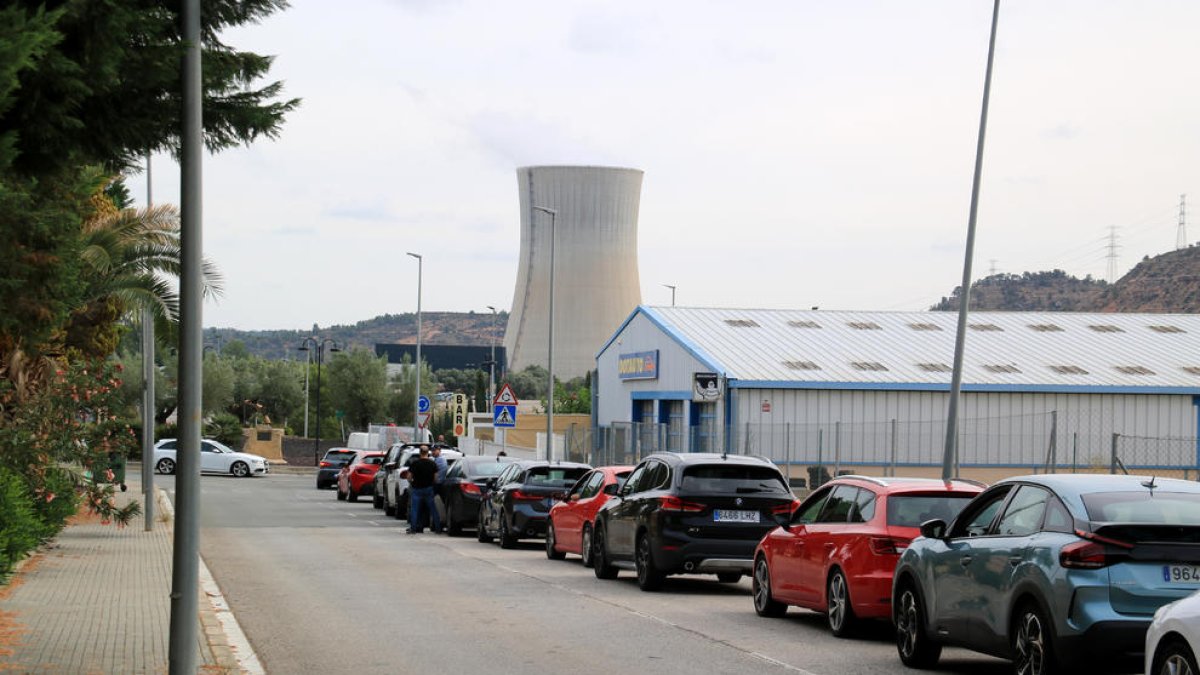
(504,416)
(505,396)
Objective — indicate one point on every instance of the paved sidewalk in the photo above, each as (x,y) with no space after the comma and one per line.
(97,600)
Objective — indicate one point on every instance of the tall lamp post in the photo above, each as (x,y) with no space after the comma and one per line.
(417,435)
(672,293)
(318,346)
(550,344)
(492,372)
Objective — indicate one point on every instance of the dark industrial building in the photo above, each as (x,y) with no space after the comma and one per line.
(441,357)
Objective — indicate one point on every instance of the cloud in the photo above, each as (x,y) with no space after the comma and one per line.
(1062,132)
(373,213)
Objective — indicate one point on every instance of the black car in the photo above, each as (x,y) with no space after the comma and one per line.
(691,513)
(464,487)
(331,465)
(519,499)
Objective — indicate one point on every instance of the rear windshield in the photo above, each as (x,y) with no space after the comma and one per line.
(373,459)
(733,478)
(912,510)
(486,469)
(1158,508)
(340,455)
(555,476)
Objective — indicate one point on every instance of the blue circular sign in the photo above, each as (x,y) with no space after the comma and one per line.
(422,404)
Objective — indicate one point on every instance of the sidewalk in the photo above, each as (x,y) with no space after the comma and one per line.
(97,600)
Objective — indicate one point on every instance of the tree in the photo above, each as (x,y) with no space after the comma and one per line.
(530,382)
(402,401)
(217,384)
(358,387)
(280,392)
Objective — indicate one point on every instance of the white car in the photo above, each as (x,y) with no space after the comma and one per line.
(1174,638)
(215,457)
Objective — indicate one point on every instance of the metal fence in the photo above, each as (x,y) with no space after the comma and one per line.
(1144,453)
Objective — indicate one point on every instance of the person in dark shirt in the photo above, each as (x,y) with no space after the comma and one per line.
(422,474)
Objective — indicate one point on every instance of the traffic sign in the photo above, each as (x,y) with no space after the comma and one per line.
(423,420)
(505,396)
(504,416)
(423,404)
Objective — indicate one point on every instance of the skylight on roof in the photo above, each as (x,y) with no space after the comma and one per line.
(801,365)
(1193,370)
(868,365)
(1167,329)
(1001,368)
(1106,328)
(934,367)
(985,327)
(1046,327)
(924,326)
(742,323)
(864,325)
(804,324)
(1069,370)
(1134,370)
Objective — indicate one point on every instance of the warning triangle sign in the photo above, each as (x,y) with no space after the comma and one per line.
(505,396)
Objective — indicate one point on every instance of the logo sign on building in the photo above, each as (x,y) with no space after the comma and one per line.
(638,366)
(704,388)
(458,413)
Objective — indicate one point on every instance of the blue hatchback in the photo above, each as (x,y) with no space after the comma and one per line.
(1044,570)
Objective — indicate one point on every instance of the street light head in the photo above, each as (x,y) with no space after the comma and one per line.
(414,255)
(335,348)
(303,347)
(491,308)
(545,209)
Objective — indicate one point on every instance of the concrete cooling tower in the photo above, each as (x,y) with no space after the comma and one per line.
(596,282)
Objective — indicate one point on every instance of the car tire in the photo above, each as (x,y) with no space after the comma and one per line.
(586,551)
(341,496)
(1174,658)
(916,648)
(760,585)
(351,495)
(165,465)
(481,533)
(388,509)
(551,542)
(839,612)
(1033,642)
(376,501)
(240,469)
(649,577)
(601,565)
(507,538)
(402,507)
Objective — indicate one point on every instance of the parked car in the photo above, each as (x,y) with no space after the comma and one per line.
(391,457)
(1173,639)
(463,489)
(396,492)
(836,553)
(1049,570)
(572,519)
(357,477)
(215,457)
(689,513)
(331,465)
(519,499)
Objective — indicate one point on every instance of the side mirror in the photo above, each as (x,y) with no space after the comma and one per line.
(611,490)
(933,529)
(559,496)
(389,466)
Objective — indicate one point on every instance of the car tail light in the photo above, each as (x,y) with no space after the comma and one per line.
(469,488)
(325,464)
(785,508)
(527,497)
(672,503)
(888,545)
(1093,552)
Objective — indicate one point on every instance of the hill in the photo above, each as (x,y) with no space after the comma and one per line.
(1166,283)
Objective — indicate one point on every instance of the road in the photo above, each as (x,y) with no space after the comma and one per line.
(325,586)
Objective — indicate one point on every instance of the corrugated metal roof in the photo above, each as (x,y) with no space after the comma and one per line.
(1018,349)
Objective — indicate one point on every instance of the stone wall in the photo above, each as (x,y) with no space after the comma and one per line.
(298,451)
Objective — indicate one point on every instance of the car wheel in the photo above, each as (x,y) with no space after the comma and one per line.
(351,495)
(1033,642)
(341,496)
(402,507)
(760,584)
(839,612)
(165,466)
(601,565)
(1175,658)
(388,509)
(916,649)
(376,500)
(481,533)
(507,538)
(585,550)
(240,469)
(649,577)
(551,551)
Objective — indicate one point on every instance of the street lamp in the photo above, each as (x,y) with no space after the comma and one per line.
(672,293)
(319,347)
(492,372)
(550,344)
(417,392)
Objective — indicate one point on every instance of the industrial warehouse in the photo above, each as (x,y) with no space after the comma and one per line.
(868,391)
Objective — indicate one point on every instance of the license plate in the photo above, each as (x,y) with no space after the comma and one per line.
(1181,574)
(724,516)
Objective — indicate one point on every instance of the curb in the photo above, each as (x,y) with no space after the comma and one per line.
(221,629)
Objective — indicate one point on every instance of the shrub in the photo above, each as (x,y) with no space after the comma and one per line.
(225,428)
(20,528)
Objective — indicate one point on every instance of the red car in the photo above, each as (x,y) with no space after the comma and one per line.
(837,551)
(357,476)
(571,520)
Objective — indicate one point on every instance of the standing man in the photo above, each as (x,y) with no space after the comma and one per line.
(422,474)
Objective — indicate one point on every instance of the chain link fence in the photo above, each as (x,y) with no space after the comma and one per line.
(1144,454)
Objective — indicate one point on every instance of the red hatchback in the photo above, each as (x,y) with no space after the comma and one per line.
(571,520)
(357,477)
(837,552)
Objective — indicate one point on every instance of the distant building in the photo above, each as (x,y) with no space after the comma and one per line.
(441,357)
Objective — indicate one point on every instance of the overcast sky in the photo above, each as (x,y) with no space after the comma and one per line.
(796,153)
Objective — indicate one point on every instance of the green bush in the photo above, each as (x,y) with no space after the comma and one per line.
(53,512)
(225,428)
(20,529)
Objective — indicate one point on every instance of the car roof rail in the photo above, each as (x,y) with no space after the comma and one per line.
(968,481)
(869,479)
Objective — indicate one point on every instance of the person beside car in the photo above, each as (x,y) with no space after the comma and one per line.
(422,475)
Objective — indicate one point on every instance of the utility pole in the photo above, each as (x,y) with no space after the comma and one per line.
(1181,234)
(1112,253)
(148,394)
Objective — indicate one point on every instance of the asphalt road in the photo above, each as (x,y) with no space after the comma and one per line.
(323,586)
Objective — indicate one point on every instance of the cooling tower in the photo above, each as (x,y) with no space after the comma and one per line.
(596,282)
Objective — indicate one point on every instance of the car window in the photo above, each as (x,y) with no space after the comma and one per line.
(657,476)
(592,487)
(374,460)
(580,486)
(1058,519)
(837,507)
(631,485)
(807,513)
(910,510)
(734,479)
(977,518)
(864,507)
(205,446)
(168,445)
(485,469)
(554,476)
(1024,512)
(1151,507)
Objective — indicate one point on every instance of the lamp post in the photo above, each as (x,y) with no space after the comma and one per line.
(672,293)
(550,344)
(492,372)
(417,435)
(319,347)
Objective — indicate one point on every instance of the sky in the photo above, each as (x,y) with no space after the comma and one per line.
(797,153)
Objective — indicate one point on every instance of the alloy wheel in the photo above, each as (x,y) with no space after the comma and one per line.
(908,618)
(1030,645)
(585,549)
(240,469)
(760,584)
(166,466)
(839,604)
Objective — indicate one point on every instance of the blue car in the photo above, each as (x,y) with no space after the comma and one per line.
(1049,571)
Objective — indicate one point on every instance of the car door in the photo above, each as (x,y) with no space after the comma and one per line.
(620,521)
(819,544)
(494,503)
(212,460)
(789,549)
(568,518)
